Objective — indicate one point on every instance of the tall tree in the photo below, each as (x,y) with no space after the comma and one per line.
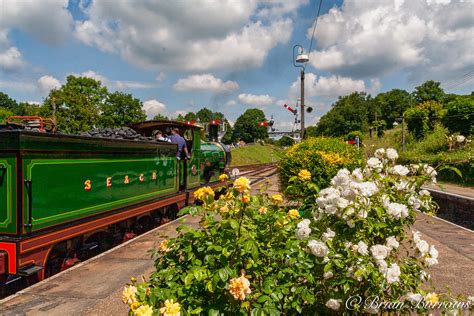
(120,109)
(7,102)
(160,117)
(391,105)
(78,103)
(429,91)
(246,127)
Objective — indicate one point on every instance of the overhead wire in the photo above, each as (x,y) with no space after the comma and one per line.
(314,27)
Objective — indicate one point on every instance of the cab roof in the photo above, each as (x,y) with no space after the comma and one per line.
(147,127)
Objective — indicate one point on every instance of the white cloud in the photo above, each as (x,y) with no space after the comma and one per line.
(11,59)
(327,87)
(255,100)
(366,39)
(160,77)
(153,107)
(116,84)
(47,20)
(47,83)
(187,35)
(205,82)
(18,85)
(231,103)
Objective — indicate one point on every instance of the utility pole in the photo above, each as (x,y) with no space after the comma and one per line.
(302,104)
(403,132)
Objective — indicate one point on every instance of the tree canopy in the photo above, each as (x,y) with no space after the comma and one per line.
(246,127)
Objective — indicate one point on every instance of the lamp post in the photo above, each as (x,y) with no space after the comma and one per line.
(301,59)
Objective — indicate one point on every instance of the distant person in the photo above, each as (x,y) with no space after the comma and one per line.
(175,138)
(159,136)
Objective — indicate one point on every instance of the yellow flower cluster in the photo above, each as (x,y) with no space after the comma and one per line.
(223,177)
(294,213)
(144,310)
(242,184)
(170,308)
(304,175)
(331,158)
(129,295)
(239,287)
(203,193)
(277,199)
(163,246)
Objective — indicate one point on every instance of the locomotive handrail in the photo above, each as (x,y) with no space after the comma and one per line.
(29,191)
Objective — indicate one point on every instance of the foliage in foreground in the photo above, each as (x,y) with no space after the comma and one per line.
(259,259)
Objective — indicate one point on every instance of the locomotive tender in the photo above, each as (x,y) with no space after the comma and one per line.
(65,197)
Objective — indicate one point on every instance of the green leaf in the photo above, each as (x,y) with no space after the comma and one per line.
(197,310)
(263,299)
(223,274)
(233,223)
(188,279)
(213,312)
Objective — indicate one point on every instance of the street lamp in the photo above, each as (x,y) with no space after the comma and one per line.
(301,59)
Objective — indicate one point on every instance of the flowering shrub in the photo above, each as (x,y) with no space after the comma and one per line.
(458,141)
(358,229)
(247,261)
(321,158)
(252,256)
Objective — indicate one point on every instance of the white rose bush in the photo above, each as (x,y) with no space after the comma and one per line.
(357,233)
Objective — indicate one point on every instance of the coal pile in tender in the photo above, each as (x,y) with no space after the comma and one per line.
(116,133)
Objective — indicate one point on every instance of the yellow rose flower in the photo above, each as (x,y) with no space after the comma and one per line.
(304,175)
(163,246)
(263,210)
(203,193)
(128,295)
(144,310)
(242,184)
(223,177)
(431,298)
(239,287)
(170,308)
(245,199)
(293,213)
(134,306)
(277,198)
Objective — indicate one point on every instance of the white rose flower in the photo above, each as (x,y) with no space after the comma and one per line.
(379,153)
(385,200)
(350,223)
(333,304)
(424,276)
(342,203)
(317,248)
(331,209)
(379,252)
(367,188)
(397,210)
(357,174)
(392,154)
(341,179)
(392,242)
(433,252)
(349,194)
(414,298)
(414,201)
(347,244)
(374,163)
(460,138)
(416,236)
(431,262)
(362,214)
(304,223)
(423,246)
(392,274)
(328,235)
(424,192)
(303,232)
(328,275)
(362,248)
(382,264)
(400,170)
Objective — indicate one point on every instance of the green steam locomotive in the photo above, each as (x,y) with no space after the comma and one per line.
(64,198)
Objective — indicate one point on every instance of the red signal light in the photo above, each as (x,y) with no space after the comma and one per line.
(290,109)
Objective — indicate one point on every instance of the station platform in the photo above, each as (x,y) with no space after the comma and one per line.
(94,287)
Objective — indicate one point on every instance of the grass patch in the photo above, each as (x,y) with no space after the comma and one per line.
(255,154)
(433,149)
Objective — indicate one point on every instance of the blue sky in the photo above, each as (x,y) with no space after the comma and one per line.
(179,56)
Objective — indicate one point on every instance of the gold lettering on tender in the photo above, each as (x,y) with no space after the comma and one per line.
(126,180)
(109,182)
(87,185)
(141,177)
(153,176)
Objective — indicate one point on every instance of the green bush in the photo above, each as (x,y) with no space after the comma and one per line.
(460,115)
(321,156)
(423,118)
